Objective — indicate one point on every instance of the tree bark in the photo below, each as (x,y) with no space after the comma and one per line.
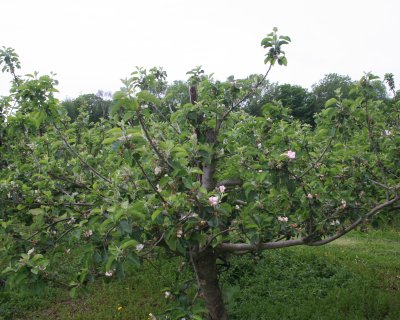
(206,268)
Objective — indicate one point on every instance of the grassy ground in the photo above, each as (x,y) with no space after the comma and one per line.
(357,277)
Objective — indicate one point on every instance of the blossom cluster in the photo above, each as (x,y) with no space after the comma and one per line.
(283,219)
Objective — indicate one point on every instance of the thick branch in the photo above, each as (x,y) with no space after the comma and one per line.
(230,182)
(245,247)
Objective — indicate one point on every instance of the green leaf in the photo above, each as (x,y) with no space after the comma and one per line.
(72,293)
(125,226)
(330,102)
(148,97)
(213,222)
(155,214)
(171,239)
(36,211)
(128,243)
(110,261)
(37,118)
(108,141)
(196,170)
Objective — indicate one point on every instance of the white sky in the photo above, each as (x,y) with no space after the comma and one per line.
(92,44)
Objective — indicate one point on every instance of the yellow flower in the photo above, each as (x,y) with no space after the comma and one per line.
(119,308)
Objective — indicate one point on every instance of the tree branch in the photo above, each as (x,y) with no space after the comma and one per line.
(235,105)
(319,158)
(230,182)
(237,248)
(153,146)
(150,182)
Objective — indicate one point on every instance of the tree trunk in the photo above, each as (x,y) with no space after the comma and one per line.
(206,269)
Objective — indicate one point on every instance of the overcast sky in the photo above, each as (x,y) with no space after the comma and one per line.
(92,44)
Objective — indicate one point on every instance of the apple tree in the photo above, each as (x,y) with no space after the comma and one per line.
(204,180)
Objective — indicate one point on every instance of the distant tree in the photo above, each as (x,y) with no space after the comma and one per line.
(265,93)
(177,94)
(325,88)
(94,105)
(301,102)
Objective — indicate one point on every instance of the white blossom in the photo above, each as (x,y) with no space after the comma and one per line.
(221,189)
(237,207)
(88,233)
(139,247)
(335,222)
(259,145)
(283,219)
(31,251)
(157,170)
(387,133)
(109,273)
(152,317)
(167,294)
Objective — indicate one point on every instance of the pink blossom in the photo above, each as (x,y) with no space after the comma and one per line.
(213,200)
(290,154)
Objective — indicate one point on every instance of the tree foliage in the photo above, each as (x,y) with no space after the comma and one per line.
(203,180)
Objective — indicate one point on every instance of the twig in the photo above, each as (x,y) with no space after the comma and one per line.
(196,275)
(150,182)
(46,227)
(143,125)
(319,158)
(244,98)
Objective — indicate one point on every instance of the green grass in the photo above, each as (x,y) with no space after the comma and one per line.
(357,277)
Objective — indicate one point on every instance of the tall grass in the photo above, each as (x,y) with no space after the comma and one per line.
(357,277)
